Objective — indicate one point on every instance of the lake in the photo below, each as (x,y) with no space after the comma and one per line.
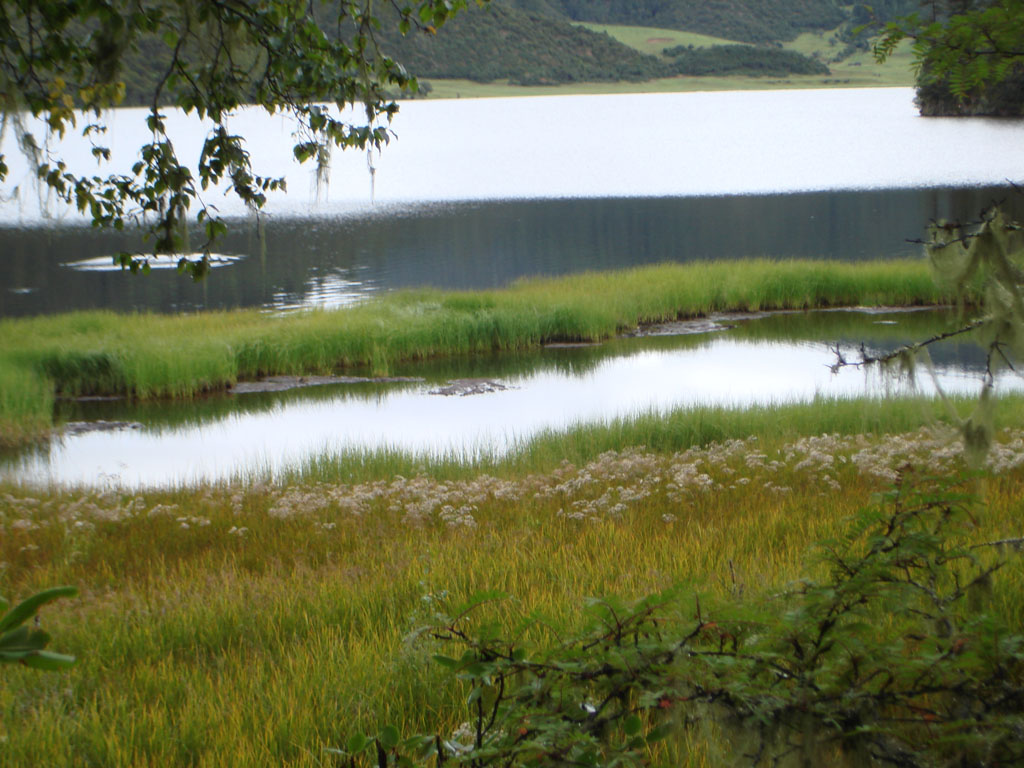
(477,193)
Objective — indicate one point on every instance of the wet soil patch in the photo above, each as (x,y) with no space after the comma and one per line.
(724,321)
(83,427)
(710,324)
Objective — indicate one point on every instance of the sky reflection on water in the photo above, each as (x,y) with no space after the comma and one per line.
(621,145)
(724,370)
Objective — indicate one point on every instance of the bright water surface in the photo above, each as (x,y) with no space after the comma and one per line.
(770,360)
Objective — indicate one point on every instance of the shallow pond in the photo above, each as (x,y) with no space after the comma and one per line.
(770,359)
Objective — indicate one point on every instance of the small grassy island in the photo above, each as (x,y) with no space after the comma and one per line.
(158,356)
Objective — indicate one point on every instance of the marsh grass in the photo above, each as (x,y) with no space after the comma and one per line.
(254,625)
(159,356)
(26,404)
(661,432)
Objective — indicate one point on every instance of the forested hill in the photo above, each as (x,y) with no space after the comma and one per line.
(530,42)
(534,42)
(503,41)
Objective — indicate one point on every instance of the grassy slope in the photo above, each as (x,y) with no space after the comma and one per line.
(857,71)
(745,20)
(653,40)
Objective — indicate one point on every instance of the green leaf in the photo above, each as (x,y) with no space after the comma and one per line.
(15,640)
(389,737)
(632,725)
(28,607)
(660,732)
(357,743)
(49,661)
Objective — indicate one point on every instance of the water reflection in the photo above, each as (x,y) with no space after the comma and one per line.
(757,362)
(334,261)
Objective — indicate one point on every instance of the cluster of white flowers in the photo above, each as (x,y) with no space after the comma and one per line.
(461,517)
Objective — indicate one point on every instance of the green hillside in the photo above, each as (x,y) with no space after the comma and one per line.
(538,48)
(503,42)
(569,43)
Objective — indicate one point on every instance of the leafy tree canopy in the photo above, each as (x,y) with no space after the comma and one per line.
(965,52)
(67,62)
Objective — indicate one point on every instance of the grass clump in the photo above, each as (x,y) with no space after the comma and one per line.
(26,403)
(681,429)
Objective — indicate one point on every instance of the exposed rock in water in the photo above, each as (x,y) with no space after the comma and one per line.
(282,383)
(463,387)
(82,427)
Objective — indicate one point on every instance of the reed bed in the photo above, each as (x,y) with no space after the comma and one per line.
(159,356)
(253,625)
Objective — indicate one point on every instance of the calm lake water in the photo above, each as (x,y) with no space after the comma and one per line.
(774,359)
(477,193)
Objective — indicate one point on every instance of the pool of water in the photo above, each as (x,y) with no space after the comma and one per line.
(771,359)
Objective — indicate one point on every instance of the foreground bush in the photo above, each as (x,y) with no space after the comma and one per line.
(893,656)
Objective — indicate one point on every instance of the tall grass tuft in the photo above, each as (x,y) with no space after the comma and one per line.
(26,403)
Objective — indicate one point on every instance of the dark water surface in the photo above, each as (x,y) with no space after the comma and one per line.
(337,259)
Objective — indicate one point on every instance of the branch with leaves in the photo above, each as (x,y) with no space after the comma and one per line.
(65,63)
(967,49)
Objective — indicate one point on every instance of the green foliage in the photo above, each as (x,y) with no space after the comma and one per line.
(21,645)
(58,57)
(531,50)
(894,656)
(742,60)
(969,56)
